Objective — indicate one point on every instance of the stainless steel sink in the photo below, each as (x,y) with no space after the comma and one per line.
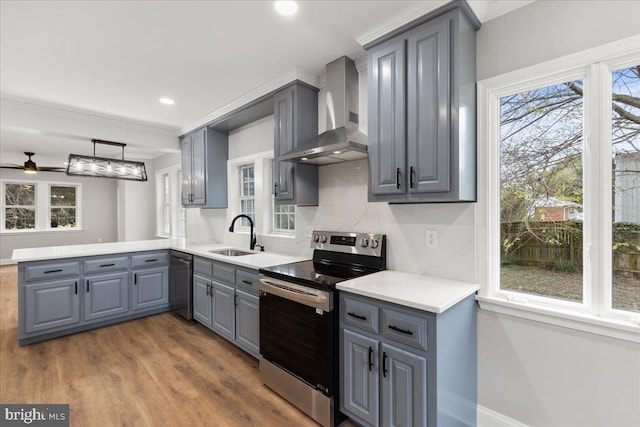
(230,252)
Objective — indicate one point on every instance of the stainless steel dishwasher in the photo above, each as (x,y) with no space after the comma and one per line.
(180,284)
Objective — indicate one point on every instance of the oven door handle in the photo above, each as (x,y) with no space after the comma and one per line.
(311,297)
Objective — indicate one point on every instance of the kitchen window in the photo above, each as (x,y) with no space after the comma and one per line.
(31,206)
(247,194)
(559,184)
(284,218)
(170,214)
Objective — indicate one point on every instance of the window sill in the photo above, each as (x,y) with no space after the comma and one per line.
(284,235)
(30,232)
(619,329)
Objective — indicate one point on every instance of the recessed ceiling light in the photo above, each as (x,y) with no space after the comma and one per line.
(304,158)
(286,7)
(167,101)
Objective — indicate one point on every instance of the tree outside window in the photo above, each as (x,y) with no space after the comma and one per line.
(63,206)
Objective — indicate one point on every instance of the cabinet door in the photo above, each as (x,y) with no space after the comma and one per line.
(202,300)
(283,107)
(198,171)
(187,155)
(387,140)
(248,322)
(106,295)
(52,304)
(223,310)
(360,377)
(150,288)
(428,111)
(404,388)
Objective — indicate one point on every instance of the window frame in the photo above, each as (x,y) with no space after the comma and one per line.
(42,206)
(595,313)
(242,197)
(274,214)
(174,202)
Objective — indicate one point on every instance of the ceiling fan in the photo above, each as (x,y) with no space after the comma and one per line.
(31,167)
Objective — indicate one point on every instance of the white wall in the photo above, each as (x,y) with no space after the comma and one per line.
(99,215)
(538,374)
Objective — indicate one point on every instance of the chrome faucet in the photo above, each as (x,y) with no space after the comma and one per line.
(252,237)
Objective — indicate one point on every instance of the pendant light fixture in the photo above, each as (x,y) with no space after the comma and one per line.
(30,166)
(104,167)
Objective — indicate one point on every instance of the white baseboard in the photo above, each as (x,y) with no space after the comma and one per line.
(7,261)
(489,418)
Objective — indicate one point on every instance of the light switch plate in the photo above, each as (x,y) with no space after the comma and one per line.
(431,239)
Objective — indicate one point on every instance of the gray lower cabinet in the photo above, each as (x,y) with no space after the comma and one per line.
(295,112)
(422,142)
(60,297)
(106,295)
(202,300)
(50,305)
(225,299)
(224,310)
(150,288)
(405,367)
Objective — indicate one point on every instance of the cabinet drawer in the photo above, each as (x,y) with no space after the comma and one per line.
(50,271)
(404,327)
(247,280)
(149,260)
(360,314)
(203,267)
(105,264)
(224,272)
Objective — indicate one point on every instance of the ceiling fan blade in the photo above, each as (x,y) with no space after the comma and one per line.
(51,169)
(11,166)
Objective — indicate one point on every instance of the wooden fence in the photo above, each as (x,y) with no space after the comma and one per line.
(557,243)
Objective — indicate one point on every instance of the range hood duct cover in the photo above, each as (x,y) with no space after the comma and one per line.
(343,140)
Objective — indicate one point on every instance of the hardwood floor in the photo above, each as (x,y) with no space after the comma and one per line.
(155,371)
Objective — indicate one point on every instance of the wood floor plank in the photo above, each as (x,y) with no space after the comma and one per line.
(156,371)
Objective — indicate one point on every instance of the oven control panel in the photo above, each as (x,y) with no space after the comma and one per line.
(369,244)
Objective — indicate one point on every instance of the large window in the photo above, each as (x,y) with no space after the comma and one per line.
(559,190)
(40,206)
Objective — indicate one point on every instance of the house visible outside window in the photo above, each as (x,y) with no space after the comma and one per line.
(562,202)
(19,206)
(284,218)
(247,194)
(40,206)
(63,206)
(170,214)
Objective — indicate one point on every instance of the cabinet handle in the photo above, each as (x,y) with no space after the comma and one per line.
(53,271)
(398,178)
(135,278)
(87,285)
(235,300)
(247,282)
(151,260)
(106,265)
(384,364)
(208,292)
(411,171)
(370,359)
(275,188)
(76,287)
(357,316)
(402,331)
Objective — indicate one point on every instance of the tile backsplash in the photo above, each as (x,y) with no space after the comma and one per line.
(343,206)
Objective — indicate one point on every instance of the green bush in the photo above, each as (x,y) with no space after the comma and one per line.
(565,266)
(508,259)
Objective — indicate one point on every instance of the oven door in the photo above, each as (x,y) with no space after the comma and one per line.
(296,331)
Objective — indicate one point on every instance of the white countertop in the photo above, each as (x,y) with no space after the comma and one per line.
(255,260)
(425,293)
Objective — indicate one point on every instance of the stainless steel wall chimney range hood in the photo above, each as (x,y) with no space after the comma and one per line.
(342,141)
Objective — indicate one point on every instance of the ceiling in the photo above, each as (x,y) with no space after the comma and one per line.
(118,58)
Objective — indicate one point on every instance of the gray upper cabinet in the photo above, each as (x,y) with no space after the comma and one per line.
(422,109)
(204,169)
(295,110)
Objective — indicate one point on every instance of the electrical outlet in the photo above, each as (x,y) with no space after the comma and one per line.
(432,239)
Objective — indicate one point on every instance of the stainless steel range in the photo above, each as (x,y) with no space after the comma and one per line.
(299,319)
